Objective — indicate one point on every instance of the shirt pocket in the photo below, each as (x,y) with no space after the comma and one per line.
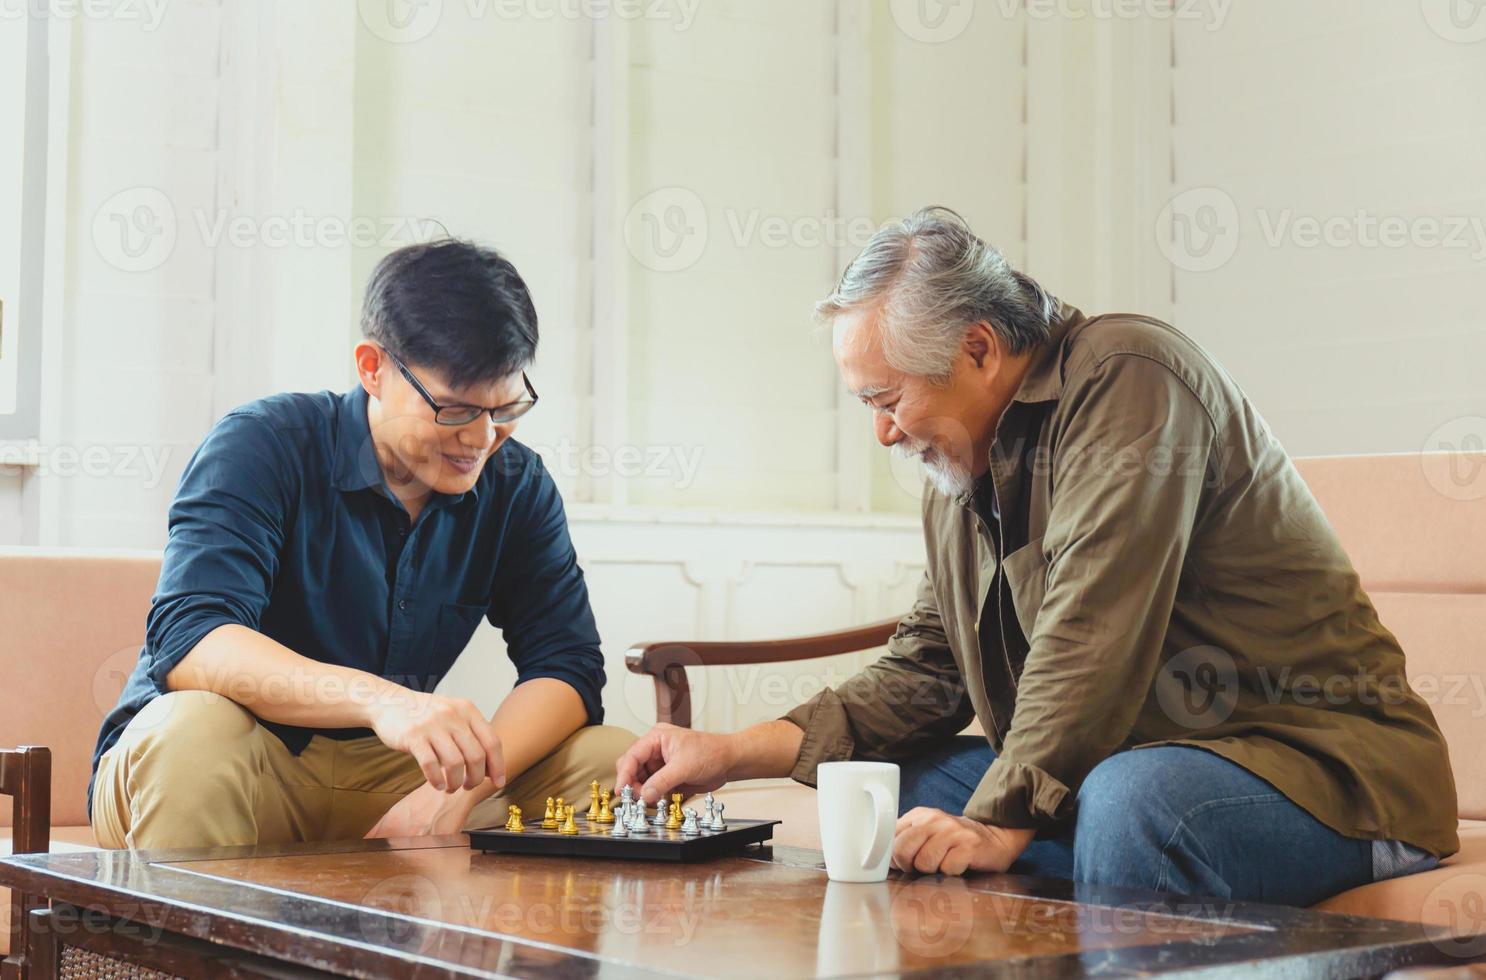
(1026,576)
(457,623)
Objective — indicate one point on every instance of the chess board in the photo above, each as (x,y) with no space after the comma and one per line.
(593,840)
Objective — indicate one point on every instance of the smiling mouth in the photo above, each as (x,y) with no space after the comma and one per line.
(463,464)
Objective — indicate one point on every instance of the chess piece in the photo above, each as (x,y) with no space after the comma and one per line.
(717,822)
(709,802)
(673,819)
(569,825)
(593,806)
(606,808)
(549,820)
(513,820)
(621,826)
(660,813)
(690,827)
(626,795)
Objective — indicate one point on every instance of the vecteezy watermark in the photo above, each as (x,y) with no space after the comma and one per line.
(138,229)
(932,21)
(1363,229)
(1460,21)
(932,918)
(668,229)
(406,21)
(677,466)
(95,460)
(147,13)
(1459,903)
(1454,458)
(1199,230)
(937,21)
(1198,688)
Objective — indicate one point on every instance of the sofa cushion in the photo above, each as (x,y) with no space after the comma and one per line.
(1441,638)
(64,839)
(74,623)
(1405,519)
(1452,895)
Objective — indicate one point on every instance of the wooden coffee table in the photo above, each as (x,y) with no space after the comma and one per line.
(431,907)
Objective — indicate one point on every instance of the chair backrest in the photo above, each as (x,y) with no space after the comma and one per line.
(73,623)
(1415,528)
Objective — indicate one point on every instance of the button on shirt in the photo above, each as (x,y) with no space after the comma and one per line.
(283,523)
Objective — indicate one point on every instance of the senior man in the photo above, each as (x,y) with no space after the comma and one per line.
(1131,588)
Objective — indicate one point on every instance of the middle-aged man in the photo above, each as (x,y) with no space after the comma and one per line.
(1128,585)
(329,556)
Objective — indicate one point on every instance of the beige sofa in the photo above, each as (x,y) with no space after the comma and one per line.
(73,623)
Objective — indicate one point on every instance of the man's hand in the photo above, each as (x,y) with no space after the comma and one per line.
(456,747)
(668,758)
(425,811)
(931,841)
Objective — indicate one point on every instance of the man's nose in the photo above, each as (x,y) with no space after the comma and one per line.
(887,431)
(482,433)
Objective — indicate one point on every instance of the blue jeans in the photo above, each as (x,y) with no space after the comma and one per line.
(1167,818)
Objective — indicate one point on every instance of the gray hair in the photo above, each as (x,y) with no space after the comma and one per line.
(932,279)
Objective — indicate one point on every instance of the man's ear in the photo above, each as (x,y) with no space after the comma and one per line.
(983,347)
(369,365)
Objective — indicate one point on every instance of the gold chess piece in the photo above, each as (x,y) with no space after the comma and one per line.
(593,807)
(513,822)
(606,808)
(569,825)
(549,821)
(673,818)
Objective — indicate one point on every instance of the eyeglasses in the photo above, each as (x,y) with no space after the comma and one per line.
(465,414)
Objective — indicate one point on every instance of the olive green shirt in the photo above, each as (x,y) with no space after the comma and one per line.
(1167,579)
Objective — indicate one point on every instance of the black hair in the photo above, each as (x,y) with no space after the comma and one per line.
(452,306)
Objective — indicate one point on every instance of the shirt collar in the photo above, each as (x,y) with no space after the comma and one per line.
(1043,381)
(356,466)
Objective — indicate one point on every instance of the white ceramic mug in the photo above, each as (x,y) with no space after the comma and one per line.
(858,807)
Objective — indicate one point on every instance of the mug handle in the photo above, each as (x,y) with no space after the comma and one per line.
(884,821)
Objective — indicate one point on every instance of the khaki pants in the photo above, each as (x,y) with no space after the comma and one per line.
(195,769)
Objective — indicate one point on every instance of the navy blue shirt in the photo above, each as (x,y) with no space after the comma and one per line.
(283,523)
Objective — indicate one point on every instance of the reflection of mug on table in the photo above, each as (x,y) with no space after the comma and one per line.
(858,804)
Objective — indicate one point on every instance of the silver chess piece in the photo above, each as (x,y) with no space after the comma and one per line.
(626,796)
(637,822)
(660,814)
(707,814)
(689,826)
(718,824)
(621,827)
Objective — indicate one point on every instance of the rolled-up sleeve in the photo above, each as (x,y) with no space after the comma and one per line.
(1128,468)
(226,527)
(912,696)
(540,600)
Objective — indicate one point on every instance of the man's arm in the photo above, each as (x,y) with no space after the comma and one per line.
(452,742)
(910,698)
(913,695)
(228,522)
(1118,532)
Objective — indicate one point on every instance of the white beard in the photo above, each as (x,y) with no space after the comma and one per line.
(948,476)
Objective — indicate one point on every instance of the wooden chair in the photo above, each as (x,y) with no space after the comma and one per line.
(26,777)
(666,662)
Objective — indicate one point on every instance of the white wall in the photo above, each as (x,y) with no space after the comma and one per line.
(1338,114)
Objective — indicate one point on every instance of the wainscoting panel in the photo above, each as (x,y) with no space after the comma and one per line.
(677,576)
